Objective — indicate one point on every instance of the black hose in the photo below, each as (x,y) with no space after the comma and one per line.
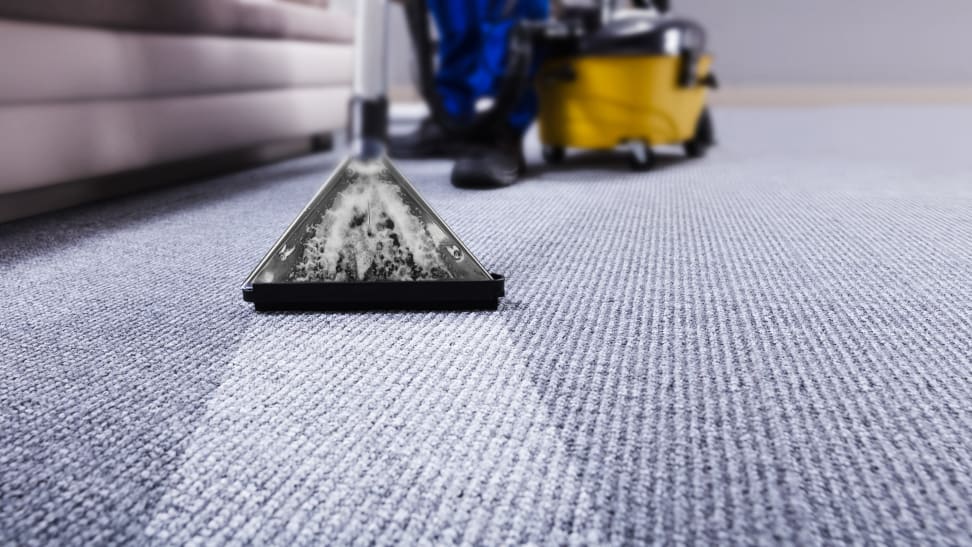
(516,75)
(663,6)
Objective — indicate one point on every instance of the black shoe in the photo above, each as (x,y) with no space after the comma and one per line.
(429,140)
(499,164)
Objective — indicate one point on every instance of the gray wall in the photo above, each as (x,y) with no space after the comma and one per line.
(872,42)
(865,42)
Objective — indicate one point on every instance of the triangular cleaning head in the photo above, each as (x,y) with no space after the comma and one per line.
(366,240)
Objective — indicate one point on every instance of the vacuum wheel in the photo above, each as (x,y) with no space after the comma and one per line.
(642,157)
(553,154)
(703,138)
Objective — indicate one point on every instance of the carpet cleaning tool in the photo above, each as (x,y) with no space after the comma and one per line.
(368,239)
(634,78)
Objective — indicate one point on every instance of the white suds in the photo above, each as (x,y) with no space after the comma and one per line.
(370,233)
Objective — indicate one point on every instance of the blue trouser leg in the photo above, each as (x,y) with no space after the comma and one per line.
(473,37)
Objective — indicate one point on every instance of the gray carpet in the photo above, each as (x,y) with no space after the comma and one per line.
(773,344)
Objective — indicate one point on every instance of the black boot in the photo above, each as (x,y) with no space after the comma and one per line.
(429,140)
(500,163)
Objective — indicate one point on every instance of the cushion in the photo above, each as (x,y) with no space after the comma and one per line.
(253,18)
(111,64)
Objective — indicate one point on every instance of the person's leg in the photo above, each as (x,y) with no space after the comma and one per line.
(501,162)
(473,40)
(457,23)
(498,18)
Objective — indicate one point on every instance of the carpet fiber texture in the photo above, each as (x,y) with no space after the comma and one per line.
(773,344)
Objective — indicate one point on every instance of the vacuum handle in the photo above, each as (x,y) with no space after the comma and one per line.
(368,124)
(370,48)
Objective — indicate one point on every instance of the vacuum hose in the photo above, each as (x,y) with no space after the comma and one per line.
(516,75)
(663,6)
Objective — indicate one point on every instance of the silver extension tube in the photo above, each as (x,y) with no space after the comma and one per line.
(369,106)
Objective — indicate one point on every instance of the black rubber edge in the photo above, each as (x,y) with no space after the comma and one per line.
(377,295)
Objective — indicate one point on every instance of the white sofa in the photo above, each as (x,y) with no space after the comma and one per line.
(99,97)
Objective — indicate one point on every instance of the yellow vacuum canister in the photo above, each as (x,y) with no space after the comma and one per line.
(637,81)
